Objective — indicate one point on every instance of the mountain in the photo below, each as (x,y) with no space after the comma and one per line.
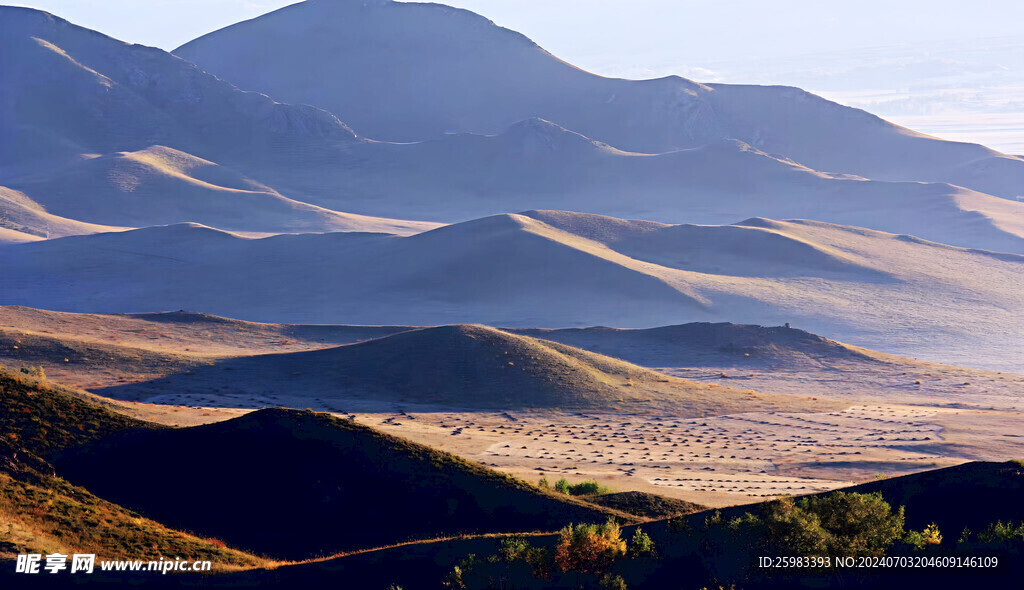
(145,138)
(524,271)
(318,484)
(115,134)
(68,91)
(402,71)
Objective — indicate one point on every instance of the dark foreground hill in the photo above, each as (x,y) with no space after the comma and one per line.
(972,495)
(43,513)
(698,551)
(284,482)
(296,484)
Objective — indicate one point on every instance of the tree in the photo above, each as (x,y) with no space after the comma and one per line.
(588,548)
(858,524)
(793,531)
(641,545)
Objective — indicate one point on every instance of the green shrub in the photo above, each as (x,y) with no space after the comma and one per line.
(513,548)
(679,524)
(794,530)
(610,582)
(583,488)
(587,488)
(641,545)
(1002,532)
(456,579)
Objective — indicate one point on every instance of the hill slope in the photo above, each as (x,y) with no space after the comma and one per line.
(296,484)
(684,556)
(176,331)
(19,213)
(43,513)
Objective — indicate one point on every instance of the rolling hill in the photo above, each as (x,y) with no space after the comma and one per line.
(99,130)
(457,367)
(536,164)
(111,97)
(320,484)
(176,331)
(21,215)
(433,69)
(942,303)
(698,344)
(160,186)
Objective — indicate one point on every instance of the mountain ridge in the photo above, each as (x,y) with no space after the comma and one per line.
(423,51)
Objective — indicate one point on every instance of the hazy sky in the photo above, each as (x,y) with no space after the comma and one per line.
(941,66)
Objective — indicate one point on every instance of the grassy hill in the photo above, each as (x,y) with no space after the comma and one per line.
(43,513)
(293,483)
(701,343)
(462,366)
(296,484)
(83,362)
(43,418)
(645,505)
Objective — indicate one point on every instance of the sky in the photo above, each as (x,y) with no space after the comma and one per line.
(945,67)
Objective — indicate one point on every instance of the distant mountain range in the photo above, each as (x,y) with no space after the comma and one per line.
(457,121)
(145,138)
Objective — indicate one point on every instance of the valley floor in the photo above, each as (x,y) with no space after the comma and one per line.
(714,461)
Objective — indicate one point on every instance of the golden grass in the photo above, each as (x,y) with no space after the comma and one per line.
(50,515)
